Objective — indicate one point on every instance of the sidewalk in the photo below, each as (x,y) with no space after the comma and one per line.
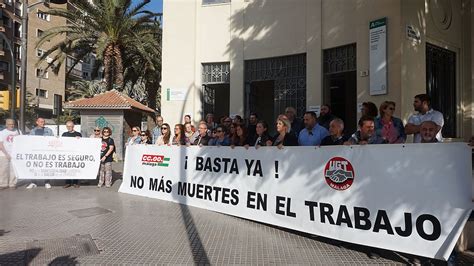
(91,225)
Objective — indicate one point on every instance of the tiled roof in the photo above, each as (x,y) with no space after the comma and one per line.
(108,100)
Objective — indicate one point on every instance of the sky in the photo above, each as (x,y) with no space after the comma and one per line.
(154,5)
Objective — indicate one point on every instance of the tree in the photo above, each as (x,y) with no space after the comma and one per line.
(107,28)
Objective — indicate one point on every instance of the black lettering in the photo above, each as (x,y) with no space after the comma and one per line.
(325,211)
(161,187)
(362,215)
(217,164)
(280,203)
(235,197)
(261,201)
(191,190)
(408,226)
(199,163)
(251,200)
(226,161)
(311,205)
(217,190)
(343,216)
(207,193)
(225,195)
(199,191)
(248,163)
(182,188)
(421,230)
(258,169)
(288,209)
(208,165)
(169,186)
(153,184)
(234,168)
(133,181)
(382,222)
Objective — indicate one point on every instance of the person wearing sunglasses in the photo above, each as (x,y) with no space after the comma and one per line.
(179,136)
(164,138)
(96,134)
(106,158)
(389,127)
(145,137)
(135,138)
(221,138)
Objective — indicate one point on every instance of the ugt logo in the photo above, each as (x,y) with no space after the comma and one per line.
(339,173)
(155,160)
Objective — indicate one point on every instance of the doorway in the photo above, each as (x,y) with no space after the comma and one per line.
(441,85)
(340,84)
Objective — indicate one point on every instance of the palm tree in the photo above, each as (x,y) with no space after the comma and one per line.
(107,28)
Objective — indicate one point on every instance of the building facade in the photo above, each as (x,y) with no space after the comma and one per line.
(242,56)
(46,86)
(10,26)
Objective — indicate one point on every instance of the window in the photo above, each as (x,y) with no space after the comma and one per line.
(211,2)
(9,2)
(7,22)
(39,52)
(42,15)
(40,73)
(39,33)
(4,66)
(41,93)
(17,29)
(85,75)
(18,51)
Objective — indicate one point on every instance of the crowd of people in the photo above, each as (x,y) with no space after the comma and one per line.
(8,178)
(376,126)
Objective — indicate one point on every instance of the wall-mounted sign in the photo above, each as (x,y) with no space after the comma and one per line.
(378,56)
(176,94)
(413,34)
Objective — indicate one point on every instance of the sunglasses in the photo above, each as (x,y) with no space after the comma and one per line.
(105,131)
(143,135)
(218,131)
(134,130)
(96,130)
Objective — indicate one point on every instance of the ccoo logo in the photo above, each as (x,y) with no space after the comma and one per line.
(339,173)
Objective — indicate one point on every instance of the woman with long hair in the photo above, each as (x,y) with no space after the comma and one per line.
(179,136)
(261,137)
(165,137)
(240,135)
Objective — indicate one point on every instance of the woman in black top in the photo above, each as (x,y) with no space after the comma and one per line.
(106,158)
(240,136)
(284,137)
(145,137)
(261,136)
(179,136)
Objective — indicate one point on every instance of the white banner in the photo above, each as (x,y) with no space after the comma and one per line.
(412,198)
(38,157)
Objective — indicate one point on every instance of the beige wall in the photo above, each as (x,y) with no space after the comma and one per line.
(252,29)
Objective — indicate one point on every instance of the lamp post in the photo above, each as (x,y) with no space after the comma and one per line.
(24,51)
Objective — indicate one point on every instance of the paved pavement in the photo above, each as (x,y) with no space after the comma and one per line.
(90,225)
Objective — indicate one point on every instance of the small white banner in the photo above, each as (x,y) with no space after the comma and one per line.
(38,157)
(412,198)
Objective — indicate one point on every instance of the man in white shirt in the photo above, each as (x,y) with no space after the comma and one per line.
(7,174)
(422,104)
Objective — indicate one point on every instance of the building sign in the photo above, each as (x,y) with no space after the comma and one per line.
(413,34)
(397,197)
(176,94)
(378,56)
